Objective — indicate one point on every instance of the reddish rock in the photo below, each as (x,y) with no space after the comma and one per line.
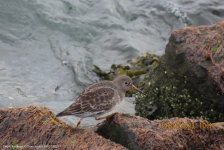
(204,43)
(37,127)
(139,133)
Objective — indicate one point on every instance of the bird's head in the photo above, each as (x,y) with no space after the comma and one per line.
(124,83)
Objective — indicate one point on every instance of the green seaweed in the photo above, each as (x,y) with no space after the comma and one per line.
(101,73)
(72,142)
(216,48)
(98,68)
(219,58)
(14,146)
(113,66)
(154,64)
(55,120)
(135,73)
(127,67)
(139,72)
(122,72)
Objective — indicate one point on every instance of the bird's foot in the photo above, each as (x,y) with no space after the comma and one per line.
(78,123)
(107,117)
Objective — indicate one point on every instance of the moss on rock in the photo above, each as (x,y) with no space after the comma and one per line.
(181,86)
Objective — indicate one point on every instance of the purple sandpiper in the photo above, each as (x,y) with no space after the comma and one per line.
(100,98)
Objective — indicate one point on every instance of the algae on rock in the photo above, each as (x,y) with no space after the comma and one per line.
(182,85)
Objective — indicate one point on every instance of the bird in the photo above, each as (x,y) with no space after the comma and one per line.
(100,98)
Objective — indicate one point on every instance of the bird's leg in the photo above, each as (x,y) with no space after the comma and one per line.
(107,117)
(78,123)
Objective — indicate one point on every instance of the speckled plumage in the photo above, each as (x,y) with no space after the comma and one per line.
(95,100)
(99,98)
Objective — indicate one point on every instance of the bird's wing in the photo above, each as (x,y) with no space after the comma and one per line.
(94,101)
(95,86)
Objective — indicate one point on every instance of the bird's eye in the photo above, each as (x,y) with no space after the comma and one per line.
(126,83)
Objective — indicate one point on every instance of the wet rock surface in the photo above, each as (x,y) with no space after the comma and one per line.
(176,133)
(189,79)
(37,127)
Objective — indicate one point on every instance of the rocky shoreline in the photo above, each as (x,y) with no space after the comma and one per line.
(184,90)
(37,127)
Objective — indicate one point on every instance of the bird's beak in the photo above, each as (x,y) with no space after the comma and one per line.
(135,88)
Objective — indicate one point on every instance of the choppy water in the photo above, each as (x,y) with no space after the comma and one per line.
(53,44)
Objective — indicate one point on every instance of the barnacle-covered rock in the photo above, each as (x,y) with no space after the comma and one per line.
(137,133)
(189,79)
(135,69)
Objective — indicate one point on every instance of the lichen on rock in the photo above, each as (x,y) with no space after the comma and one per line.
(188,81)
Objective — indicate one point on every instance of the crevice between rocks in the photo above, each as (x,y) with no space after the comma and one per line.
(118,133)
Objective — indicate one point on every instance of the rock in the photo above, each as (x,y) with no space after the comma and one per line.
(137,133)
(189,79)
(37,127)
